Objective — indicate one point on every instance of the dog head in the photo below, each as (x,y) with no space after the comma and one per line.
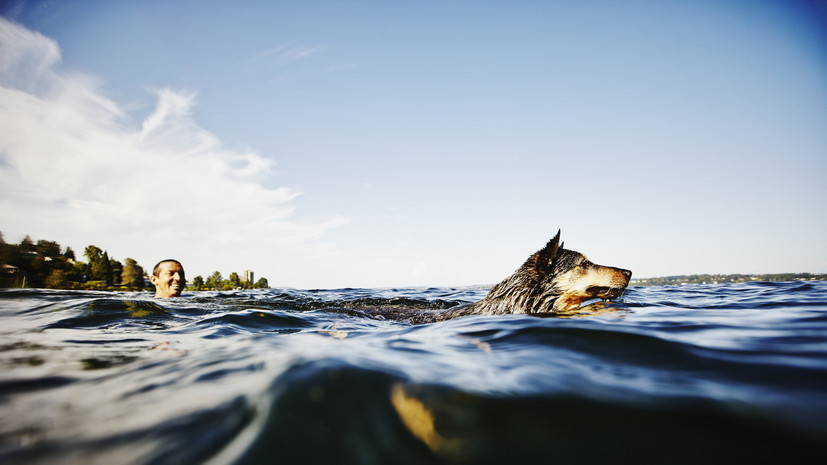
(556,280)
(574,278)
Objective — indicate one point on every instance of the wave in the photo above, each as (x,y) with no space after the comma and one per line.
(697,373)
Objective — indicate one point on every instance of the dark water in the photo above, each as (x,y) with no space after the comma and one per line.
(693,374)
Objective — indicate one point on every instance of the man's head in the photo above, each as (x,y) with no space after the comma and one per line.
(168,278)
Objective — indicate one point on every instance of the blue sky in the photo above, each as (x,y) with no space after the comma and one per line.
(366,144)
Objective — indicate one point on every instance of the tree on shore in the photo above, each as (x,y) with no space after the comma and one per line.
(92,253)
(97,270)
(58,279)
(215,281)
(41,264)
(235,281)
(48,249)
(116,271)
(26,245)
(132,275)
(80,271)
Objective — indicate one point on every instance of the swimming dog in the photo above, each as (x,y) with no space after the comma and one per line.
(553,280)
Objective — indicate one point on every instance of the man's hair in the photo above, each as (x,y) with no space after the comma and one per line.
(157,270)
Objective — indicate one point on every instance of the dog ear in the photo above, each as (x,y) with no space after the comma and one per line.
(544,259)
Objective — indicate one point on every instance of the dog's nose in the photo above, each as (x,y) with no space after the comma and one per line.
(626,273)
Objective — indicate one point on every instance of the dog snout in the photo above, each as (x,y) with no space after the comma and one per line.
(626,273)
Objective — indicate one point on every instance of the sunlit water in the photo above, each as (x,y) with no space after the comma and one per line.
(731,373)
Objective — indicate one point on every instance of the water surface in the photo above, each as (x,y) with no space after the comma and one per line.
(687,374)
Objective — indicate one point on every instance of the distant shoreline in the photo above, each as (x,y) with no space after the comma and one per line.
(659,281)
(726,278)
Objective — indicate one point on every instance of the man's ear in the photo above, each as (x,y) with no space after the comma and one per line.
(152,279)
(544,259)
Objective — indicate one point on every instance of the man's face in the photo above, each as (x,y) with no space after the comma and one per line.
(170,281)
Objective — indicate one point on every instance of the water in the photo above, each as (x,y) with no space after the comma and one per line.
(731,373)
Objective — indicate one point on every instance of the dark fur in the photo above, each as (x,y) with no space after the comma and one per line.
(553,280)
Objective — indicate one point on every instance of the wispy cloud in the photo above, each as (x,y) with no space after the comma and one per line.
(291,61)
(25,56)
(283,55)
(75,168)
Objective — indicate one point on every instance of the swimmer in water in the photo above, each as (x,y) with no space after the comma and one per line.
(168,278)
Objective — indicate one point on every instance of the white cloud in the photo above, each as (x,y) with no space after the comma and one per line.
(75,169)
(25,56)
(283,56)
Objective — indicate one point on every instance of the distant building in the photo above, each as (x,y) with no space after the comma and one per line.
(248,276)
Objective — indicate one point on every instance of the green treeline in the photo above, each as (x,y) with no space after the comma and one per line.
(44,265)
(216,282)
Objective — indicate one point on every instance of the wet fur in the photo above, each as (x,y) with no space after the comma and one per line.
(553,280)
